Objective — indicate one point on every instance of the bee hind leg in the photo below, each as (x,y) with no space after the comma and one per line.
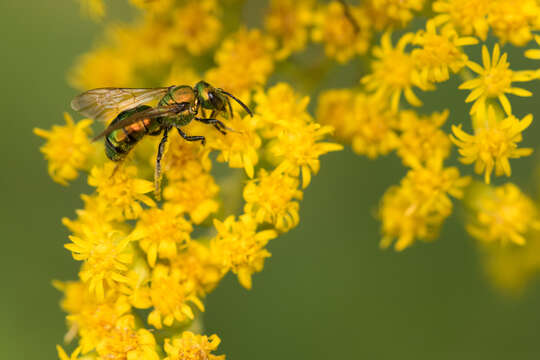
(157,170)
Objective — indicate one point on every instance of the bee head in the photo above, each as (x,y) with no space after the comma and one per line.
(216,99)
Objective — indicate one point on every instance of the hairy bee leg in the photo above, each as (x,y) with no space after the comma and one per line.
(186,137)
(230,106)
(157,170)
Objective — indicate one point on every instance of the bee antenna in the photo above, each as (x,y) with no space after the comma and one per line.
(238,101)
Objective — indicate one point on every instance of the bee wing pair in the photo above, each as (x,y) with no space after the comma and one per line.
(104,103)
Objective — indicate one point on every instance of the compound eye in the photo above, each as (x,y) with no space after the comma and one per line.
(215,100)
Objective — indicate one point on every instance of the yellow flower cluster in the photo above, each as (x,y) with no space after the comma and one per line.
(163,256)
(374,118)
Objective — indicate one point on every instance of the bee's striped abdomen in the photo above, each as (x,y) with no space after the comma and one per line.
(119,142)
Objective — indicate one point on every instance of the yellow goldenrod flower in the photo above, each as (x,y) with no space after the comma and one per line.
(299,151)
(416,209)
(394,72)
(421,138)
(510,268)
(280,109)
(196,195)
(373,126)
(123,341)
(106,255)
(469,17)
(244,61)
(199,266)
(440,52)
(335,108)
(183,159)
(197,26)
(494,81)
(502,214)
(270,198)
(192,347)
(173,297)
(238,148)
(95,215)
(288,21)
(335,30)
(392,12)
(240,247)
(514,21)
(67,149)
(162,232)
(121,190)
(182,73)
(493,144)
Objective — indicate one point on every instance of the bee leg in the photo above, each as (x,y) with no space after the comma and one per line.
(118,165)
(157,170)
(219,125)
(186,137)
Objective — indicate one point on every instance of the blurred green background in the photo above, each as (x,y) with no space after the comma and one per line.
(328,292)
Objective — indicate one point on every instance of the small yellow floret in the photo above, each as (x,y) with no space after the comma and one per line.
(492,145)
(502,214)
(67,149)
(469,17)
(394,72)
(121,189)
(240,247)
(494,81)
(271,198)
(393,12)
(513,21)
(192,347)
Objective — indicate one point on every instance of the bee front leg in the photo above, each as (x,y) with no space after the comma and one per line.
(186,137)
(218,124)
(157,170)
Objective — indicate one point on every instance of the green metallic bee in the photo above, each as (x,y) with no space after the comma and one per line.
(177,107)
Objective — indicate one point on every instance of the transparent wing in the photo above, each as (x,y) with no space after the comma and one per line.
(105,103)
(151,113)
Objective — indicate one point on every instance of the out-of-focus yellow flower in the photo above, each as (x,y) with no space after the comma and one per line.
(173,297)
(421,138)
(335,30)
(95,9)
(288,21)
(270,198)
(106,255)
(244,61)
(335,108)
(494,81)
(373,126)
(63,356)
(103,67)
(469,17)
(196,26)
(124,342)
(67,149)
(240,247)
(440,52)
(502,214)
(492,144)
(514,21)
(416,209)
(534,53)
(162,232)
(192,347)
(121,190)
(394,72)
(392,12)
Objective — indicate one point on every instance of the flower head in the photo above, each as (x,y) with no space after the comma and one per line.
(502,214)
(492,144)
(494,81)
(67,149)
(192,347)
(468,17)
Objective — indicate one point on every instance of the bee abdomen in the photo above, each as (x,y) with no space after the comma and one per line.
(119,142)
